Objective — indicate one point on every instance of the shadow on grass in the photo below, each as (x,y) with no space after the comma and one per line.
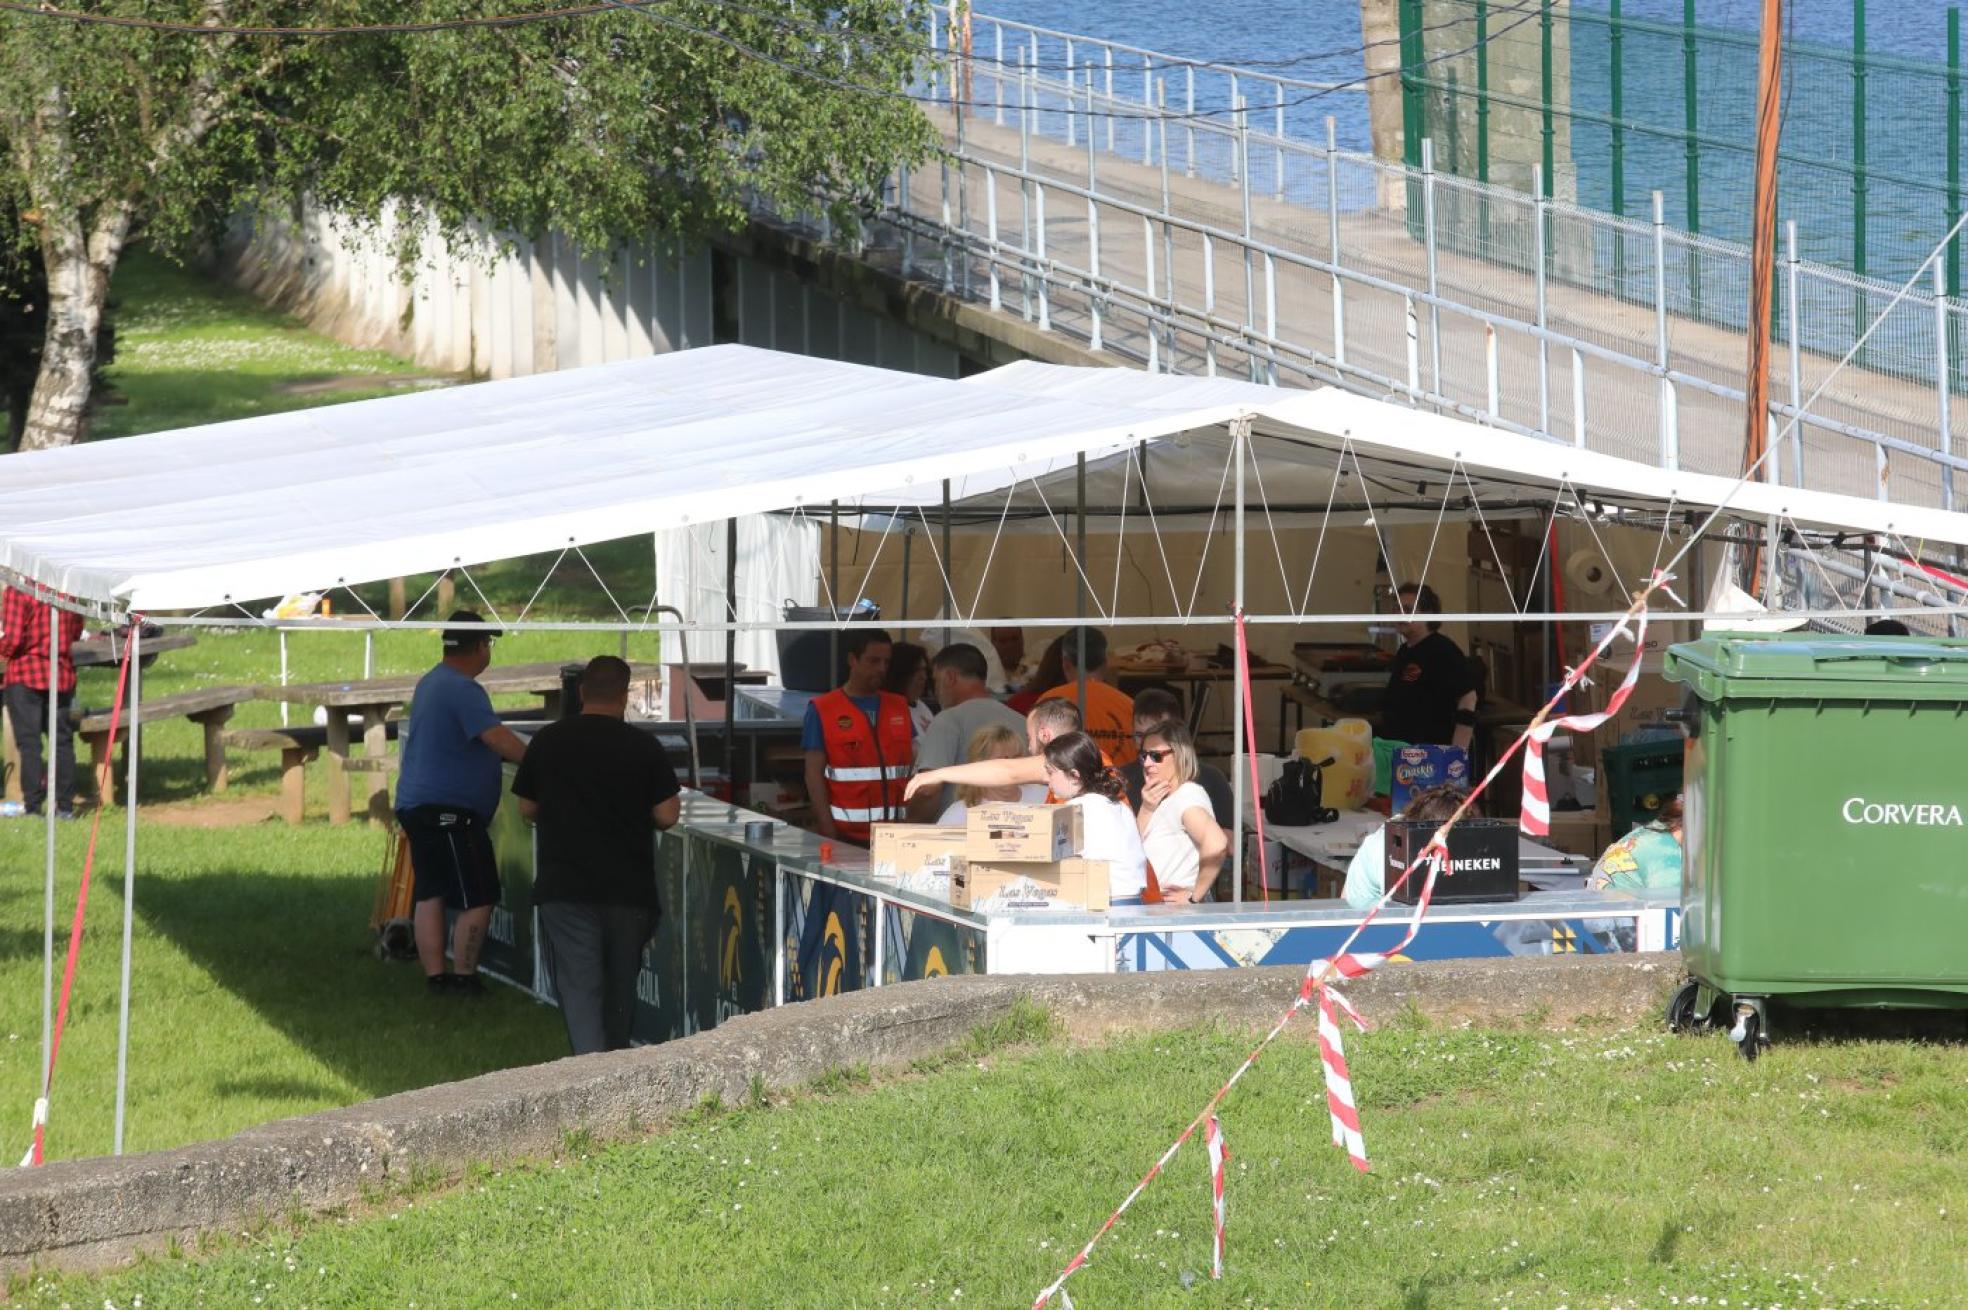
(298,951)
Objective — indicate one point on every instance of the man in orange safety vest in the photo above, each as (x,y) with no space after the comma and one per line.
(859,744)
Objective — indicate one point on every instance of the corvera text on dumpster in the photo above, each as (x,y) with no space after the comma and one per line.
(1862,811)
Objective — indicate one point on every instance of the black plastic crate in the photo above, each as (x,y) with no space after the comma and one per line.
(1482,860)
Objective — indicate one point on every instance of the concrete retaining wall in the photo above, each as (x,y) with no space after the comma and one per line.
(89,1213)
(499,308)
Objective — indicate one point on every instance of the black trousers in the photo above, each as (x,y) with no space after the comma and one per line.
(29,710)
(593,953)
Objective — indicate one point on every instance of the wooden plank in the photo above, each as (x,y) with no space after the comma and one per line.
(275,739)
(338,750)
(375,752)
(377,766)
(188,704)
(293,781)
(213,721)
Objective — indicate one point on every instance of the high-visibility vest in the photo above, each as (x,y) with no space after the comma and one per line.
(868,765)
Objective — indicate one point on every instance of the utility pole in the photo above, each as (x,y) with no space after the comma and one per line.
(1763,252)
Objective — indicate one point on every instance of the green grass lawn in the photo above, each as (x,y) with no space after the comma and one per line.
(192,350)
(256,994)
(1512,1168)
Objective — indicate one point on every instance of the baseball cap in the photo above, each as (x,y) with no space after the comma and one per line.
(466,638)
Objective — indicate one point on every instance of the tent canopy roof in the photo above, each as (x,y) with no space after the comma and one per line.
(418,483)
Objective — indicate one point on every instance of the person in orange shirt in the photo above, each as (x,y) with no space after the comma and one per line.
(1108,712)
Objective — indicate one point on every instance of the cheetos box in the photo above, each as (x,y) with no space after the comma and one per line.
(997,833)
(896,850)
(1061,883)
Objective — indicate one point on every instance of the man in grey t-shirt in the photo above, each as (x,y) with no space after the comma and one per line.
(959,674)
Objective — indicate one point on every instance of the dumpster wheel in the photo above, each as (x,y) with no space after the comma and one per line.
(1751,1033)
(1686,1012)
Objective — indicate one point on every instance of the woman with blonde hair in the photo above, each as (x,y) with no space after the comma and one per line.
(1179,832)
(991,742)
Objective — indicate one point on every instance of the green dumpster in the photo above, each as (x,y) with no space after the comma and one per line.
(1826,825)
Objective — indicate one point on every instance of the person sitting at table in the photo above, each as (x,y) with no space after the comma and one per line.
(963,694)
(1887,628)
(1154,705)
(995,742)
(1179,833)
(1366,873)
(908,677)
(1646,859)
(1050,672)
(1107,711)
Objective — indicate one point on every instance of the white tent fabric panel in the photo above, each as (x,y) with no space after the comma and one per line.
(778,561)
(418,483)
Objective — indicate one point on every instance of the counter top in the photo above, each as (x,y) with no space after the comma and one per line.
(800,850)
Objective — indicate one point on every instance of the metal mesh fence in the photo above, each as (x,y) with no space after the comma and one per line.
(1614,107)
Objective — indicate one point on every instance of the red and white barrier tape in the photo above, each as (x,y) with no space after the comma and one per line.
(1218,1155)
(1346,964)
(1536,816)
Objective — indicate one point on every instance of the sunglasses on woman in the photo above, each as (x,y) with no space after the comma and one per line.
(1156,757)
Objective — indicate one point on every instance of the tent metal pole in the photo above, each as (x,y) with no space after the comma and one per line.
(949,569)
(902,626)
(1239,444)
(1080,554)
(51,802)
(730,661)
(834,587)
(131,745)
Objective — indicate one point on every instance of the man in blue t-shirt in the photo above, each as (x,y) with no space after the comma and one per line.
(447,790)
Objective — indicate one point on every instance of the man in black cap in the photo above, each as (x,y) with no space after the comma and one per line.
(447,790)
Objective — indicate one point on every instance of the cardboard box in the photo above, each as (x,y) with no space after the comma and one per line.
(1579,832)
(1018,833)
(1072,882)
(896,850)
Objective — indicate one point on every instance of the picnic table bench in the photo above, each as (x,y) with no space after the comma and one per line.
(209,707)
(370,703)
(301,745)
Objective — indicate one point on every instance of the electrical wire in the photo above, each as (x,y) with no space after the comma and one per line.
(185,28)
(639,7)
(645,8)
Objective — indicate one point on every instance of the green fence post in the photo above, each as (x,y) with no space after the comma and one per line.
(1953,256)
(1691,126)
(1483,116)
(1954,149)
(1411,108)
(1544,42)
(1617,42)
(1860,309)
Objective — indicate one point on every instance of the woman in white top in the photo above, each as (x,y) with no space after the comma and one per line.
(992,742)
(1076,774)
(1184,844)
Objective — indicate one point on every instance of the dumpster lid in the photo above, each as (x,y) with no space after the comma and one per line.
(1895,665)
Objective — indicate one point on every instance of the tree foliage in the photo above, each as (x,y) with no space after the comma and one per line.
(599,127)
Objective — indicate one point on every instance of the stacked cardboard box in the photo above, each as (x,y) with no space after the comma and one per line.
(1035,848)
(898,850)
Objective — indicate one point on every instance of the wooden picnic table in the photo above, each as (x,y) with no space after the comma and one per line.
(370,701)
(1198,677)
(96,652)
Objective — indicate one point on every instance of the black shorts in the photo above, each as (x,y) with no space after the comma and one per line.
(450,857)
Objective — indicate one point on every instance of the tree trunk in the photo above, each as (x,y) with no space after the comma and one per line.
(78,271)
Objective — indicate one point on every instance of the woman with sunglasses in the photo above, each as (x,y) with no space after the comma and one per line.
(1179,833)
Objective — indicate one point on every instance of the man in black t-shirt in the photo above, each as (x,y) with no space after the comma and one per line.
(599,791)
(1431,699)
